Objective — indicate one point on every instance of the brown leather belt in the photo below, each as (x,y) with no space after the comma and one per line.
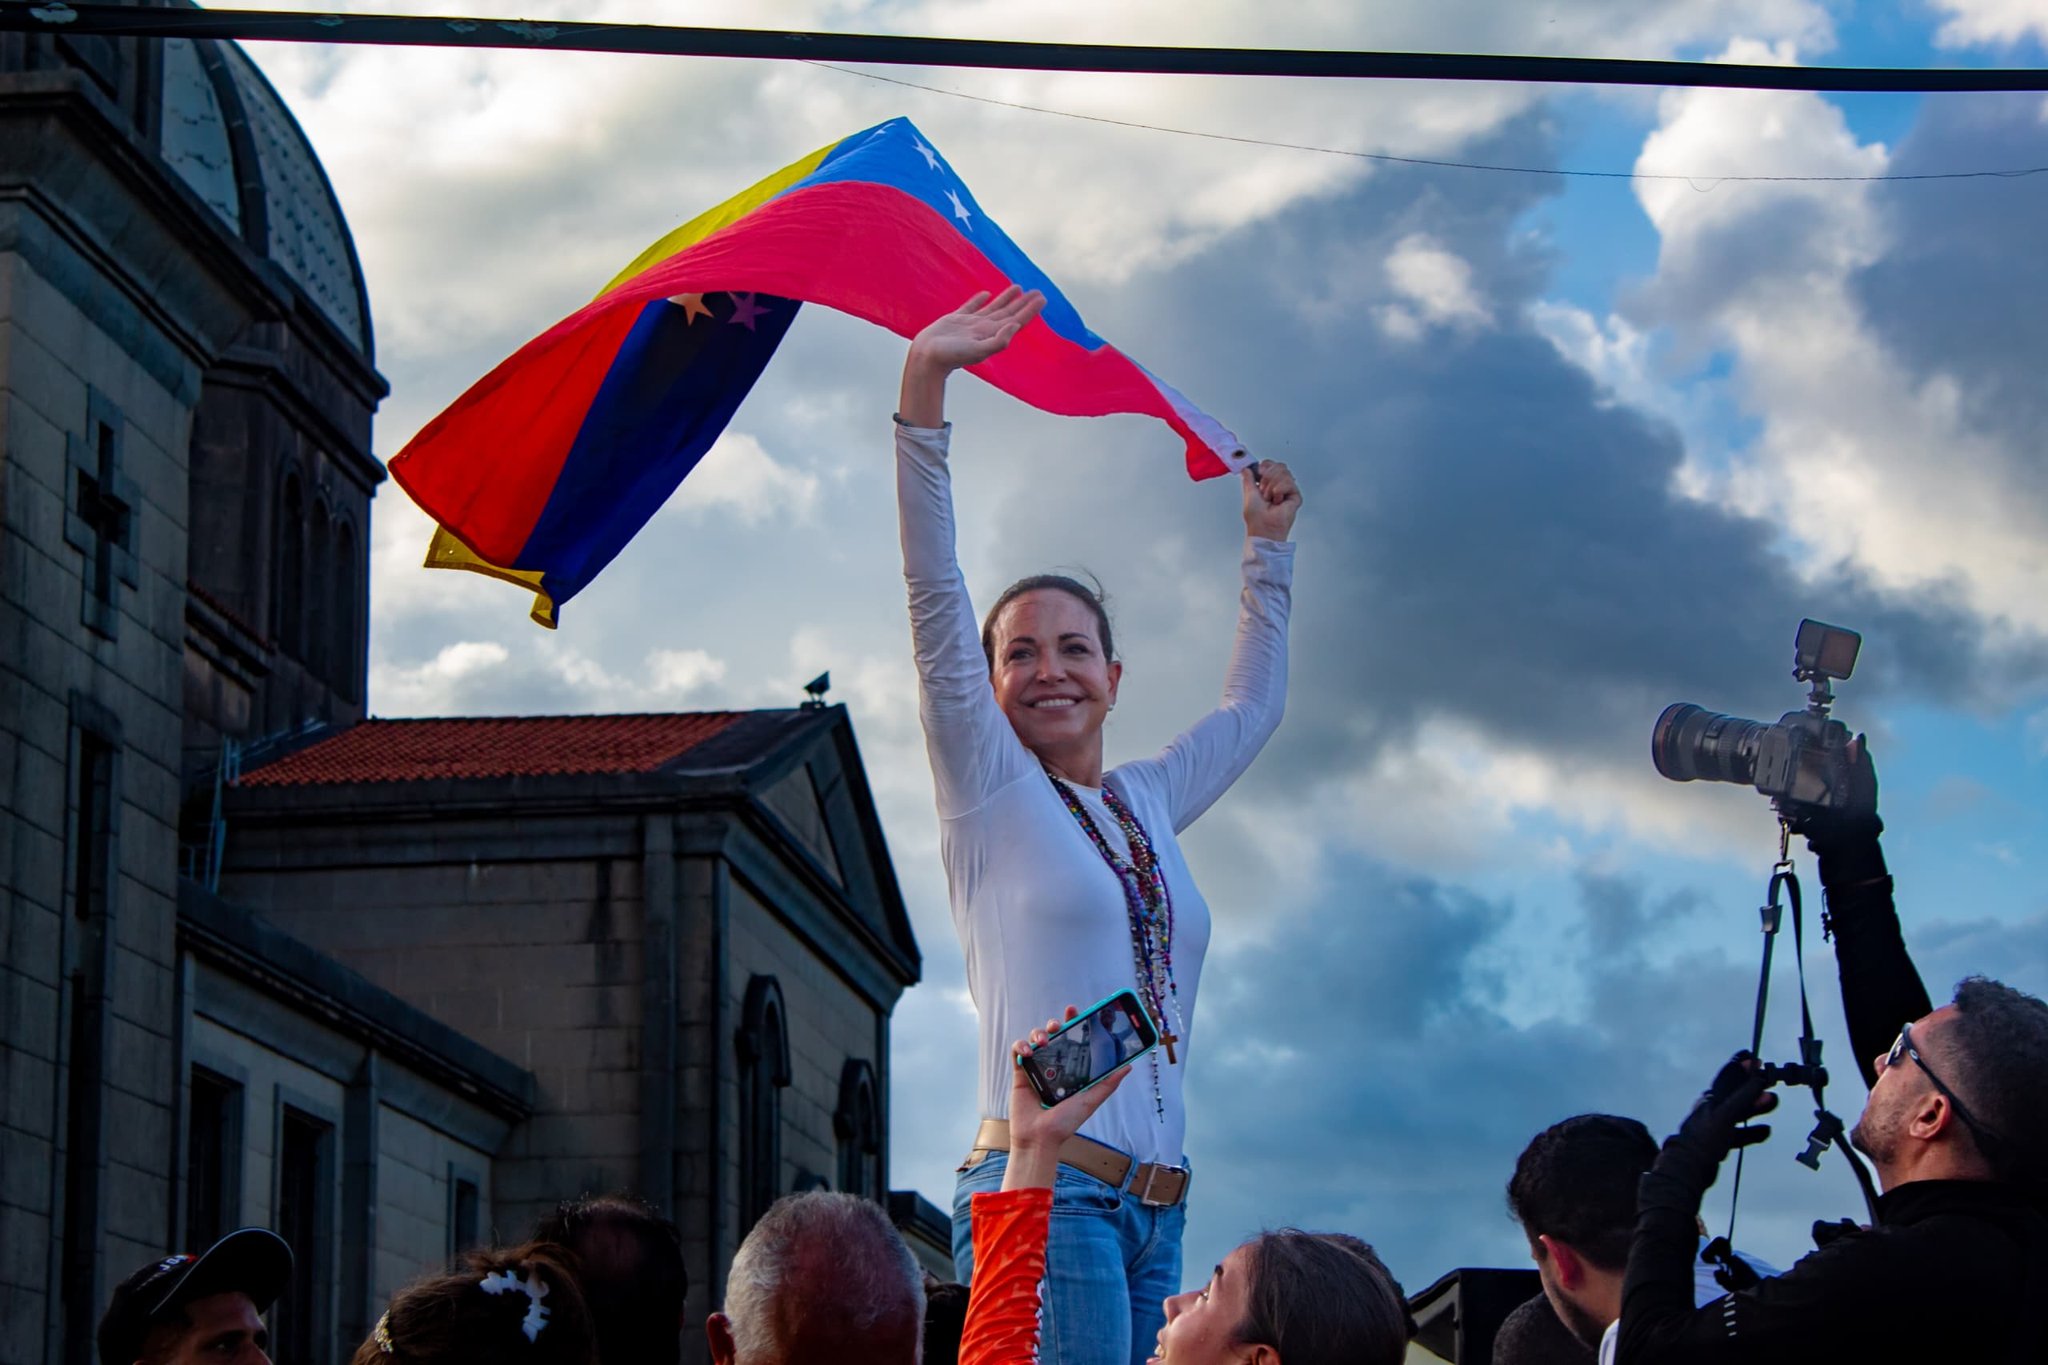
(1152,1184)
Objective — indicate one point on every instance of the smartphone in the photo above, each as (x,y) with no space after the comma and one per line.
(1108,1034)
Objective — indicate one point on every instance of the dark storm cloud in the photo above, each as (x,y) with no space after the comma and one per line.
(1960,287)
(1489,535)
(1358,1074)
(1492,538)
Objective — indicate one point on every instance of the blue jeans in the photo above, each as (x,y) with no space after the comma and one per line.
(1110,1263)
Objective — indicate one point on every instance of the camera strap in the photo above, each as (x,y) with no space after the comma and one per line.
(1772,914)
(1828,1129)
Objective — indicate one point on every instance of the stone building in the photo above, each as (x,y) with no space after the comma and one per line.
(367,995)
(186,387)
(684,927)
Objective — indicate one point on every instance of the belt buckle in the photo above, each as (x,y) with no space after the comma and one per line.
(1154,1171)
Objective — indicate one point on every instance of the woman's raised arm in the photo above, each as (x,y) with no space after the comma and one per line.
(1201,763)
(973,750)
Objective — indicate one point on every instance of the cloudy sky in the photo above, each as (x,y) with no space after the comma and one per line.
(1573,446)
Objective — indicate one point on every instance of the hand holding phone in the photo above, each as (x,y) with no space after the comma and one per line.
(1037,1131)
(1111,1033)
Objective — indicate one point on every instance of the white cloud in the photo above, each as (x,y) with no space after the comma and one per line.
(474,676)
(1434,280)
(420,688)
(679,672)
(1453,803)
(1861,459)
(1996,23)
(1435,287)
(1613,350)
(739,477)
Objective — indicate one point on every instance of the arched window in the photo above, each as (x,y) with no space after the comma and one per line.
(857,1123)
(343,593)
(319,574)
(289,584)
(763,1047)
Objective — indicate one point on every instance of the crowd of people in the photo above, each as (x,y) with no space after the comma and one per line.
(1068,884)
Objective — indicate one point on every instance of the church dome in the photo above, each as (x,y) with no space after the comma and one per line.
(229,136)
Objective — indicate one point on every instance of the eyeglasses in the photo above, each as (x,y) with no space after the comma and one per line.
(1988,1142)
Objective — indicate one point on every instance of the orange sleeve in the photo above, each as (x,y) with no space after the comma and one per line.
(1010,1229)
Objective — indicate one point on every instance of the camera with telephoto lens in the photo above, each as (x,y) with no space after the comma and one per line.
(1800,761)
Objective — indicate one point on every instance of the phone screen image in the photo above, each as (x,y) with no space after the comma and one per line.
(1093,1044)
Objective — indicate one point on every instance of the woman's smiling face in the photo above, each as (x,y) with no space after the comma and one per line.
(1050,675)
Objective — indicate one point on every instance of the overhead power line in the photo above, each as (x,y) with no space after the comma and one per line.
(140,21)
(1696,181)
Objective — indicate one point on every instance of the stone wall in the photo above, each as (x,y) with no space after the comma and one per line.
(415,1202)
(538,961)
(311,1068)
(63,374)
(829,1024)
(271,1082)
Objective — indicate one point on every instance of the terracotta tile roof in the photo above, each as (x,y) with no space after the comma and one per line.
(493,746)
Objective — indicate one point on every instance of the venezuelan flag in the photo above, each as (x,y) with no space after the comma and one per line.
(548,465)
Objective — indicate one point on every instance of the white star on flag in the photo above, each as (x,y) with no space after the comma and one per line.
(930,158)
(959,209)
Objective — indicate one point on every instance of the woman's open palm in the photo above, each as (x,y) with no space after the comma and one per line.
(977,329)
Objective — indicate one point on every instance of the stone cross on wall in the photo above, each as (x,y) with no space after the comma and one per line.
(99,513)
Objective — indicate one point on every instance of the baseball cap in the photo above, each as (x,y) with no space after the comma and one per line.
(254,1261)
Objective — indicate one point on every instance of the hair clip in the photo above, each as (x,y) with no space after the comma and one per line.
(535,1289)
(382,1335)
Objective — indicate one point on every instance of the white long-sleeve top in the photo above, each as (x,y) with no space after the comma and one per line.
(1042,918)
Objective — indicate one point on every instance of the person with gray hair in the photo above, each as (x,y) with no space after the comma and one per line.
(823,1277)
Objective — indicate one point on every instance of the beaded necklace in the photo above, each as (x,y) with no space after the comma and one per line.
(1151,914)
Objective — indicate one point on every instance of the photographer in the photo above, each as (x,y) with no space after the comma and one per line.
(1956,1125)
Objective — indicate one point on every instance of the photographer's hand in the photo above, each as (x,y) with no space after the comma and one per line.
(1659,1320)
(1038,1133)
(1843,836)
(1692,1156)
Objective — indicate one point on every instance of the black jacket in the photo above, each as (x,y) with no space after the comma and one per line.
(1954,1270)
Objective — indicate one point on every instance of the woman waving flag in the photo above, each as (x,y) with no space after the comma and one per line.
(549,464)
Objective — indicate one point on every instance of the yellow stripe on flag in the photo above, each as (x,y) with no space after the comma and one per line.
(446,552)
(726,214)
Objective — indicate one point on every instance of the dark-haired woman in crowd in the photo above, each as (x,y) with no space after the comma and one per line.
(1067,881)
(521,1304)
(1287,1297)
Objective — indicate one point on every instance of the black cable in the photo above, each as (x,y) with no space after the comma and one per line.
(1694,180)
(146,21)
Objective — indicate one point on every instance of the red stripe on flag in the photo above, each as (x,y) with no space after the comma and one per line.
(486,467)
(886,256)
